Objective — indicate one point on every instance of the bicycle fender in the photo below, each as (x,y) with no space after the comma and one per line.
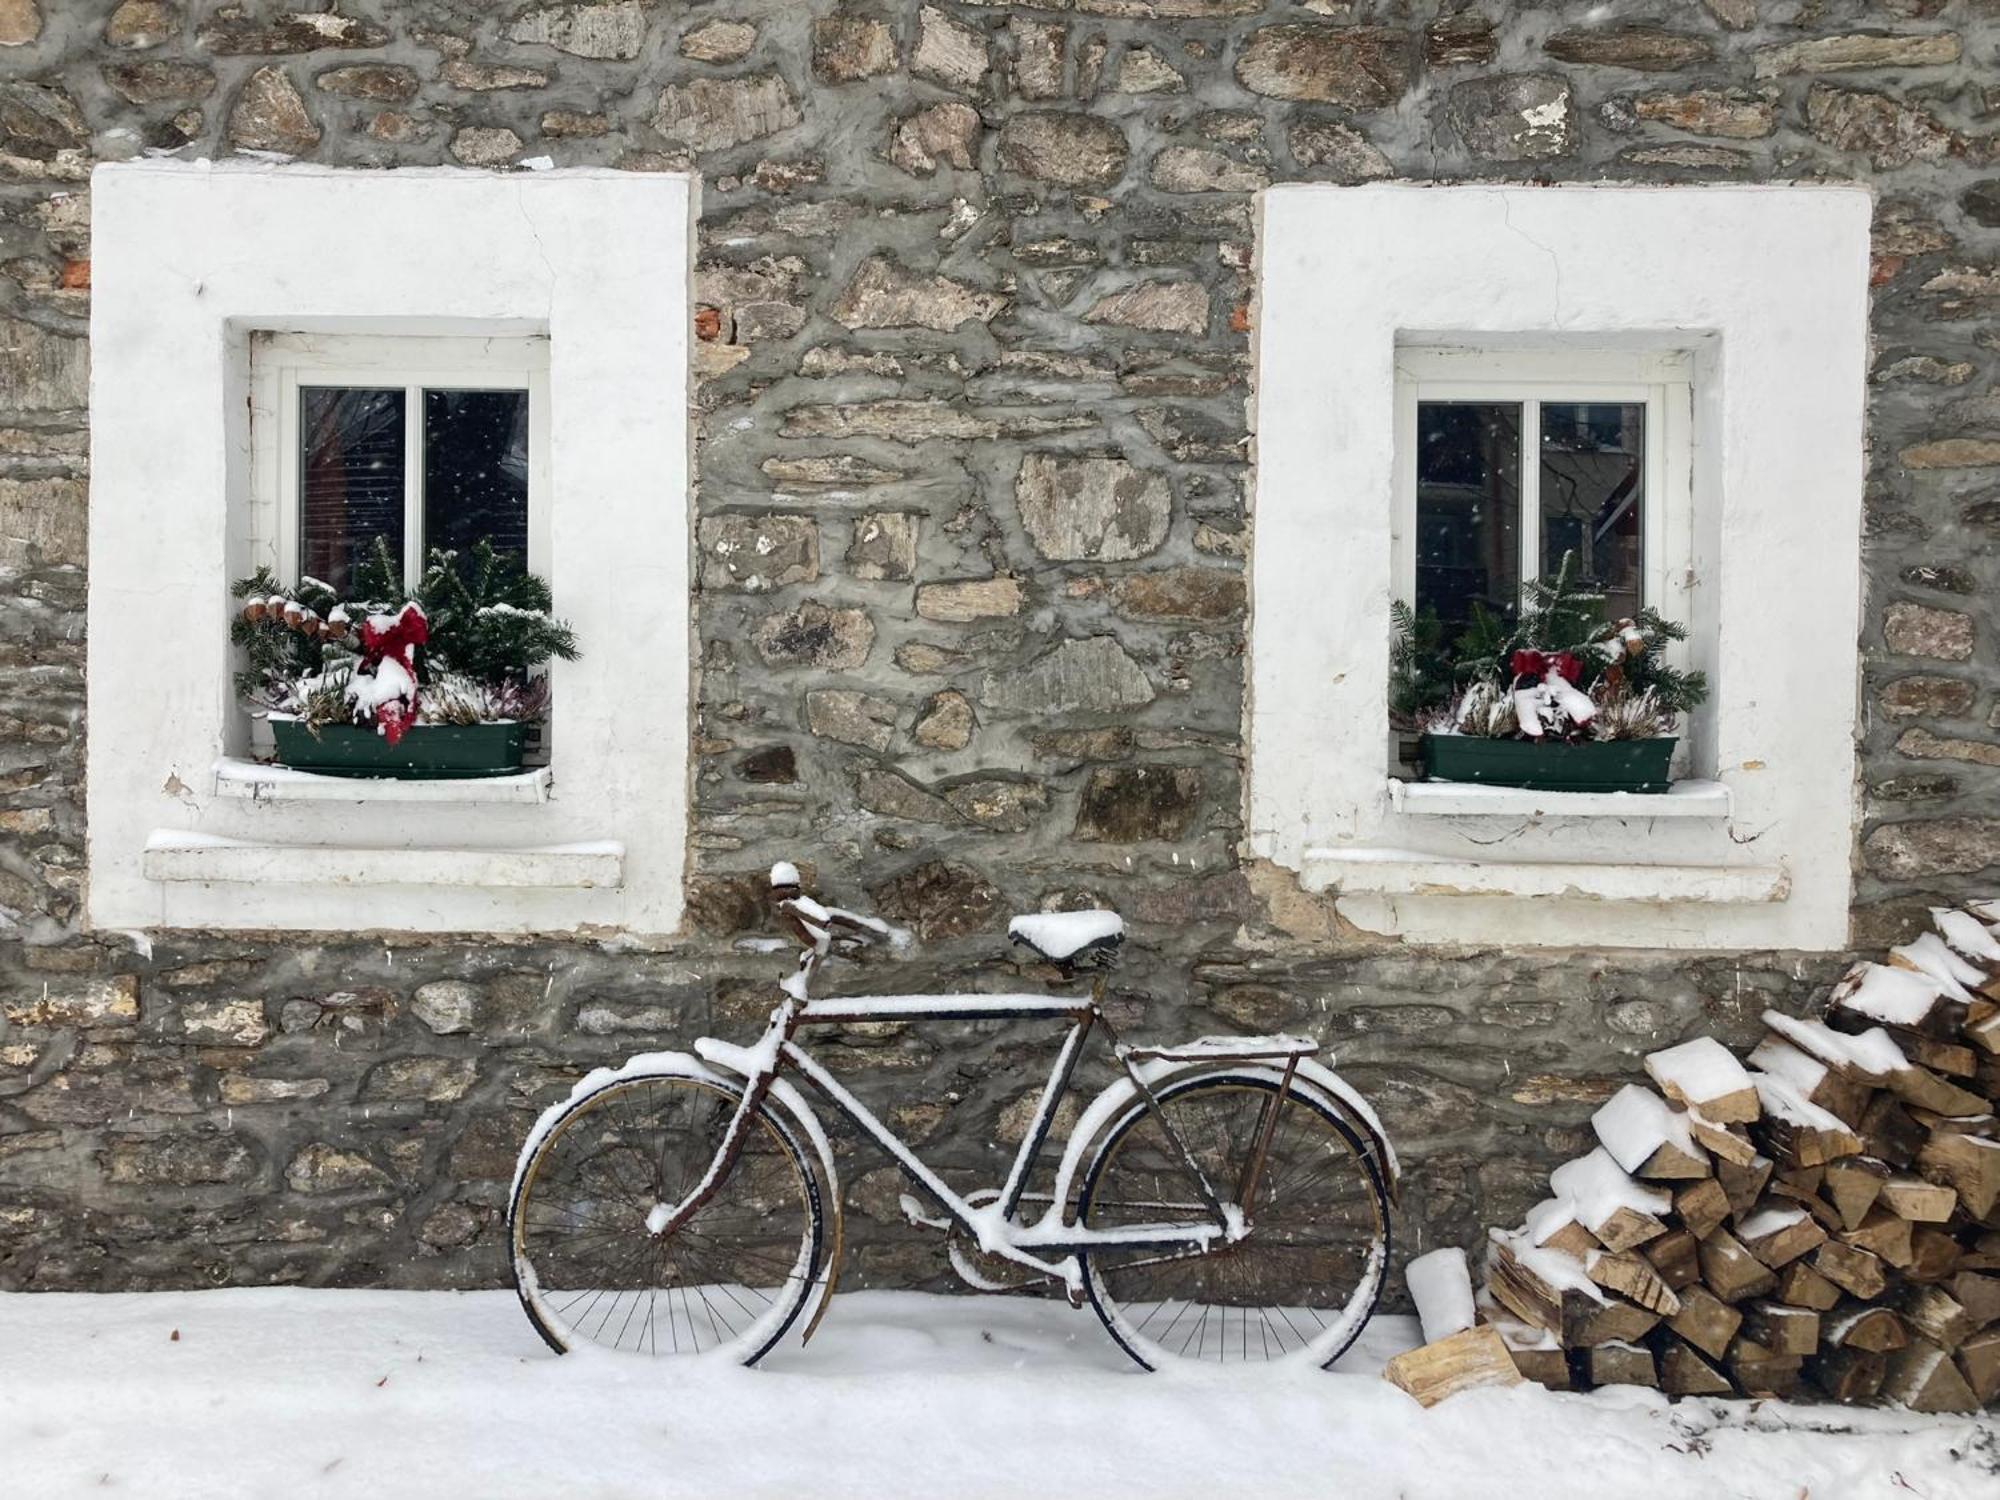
(746,1063)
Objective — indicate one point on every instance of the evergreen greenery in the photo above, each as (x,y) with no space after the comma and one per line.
(1621,664)
(489,627)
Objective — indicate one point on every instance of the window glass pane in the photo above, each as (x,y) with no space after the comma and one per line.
(1468,506)
(350,478)
(1593,487)
(476,470)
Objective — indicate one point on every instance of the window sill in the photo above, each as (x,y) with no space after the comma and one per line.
(1449,799)
(1409,872)
(175,856)
(257,781)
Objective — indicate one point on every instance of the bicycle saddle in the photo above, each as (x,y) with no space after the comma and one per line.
(1071,939)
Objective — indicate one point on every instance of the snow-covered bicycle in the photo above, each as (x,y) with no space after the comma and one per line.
(1224,1201)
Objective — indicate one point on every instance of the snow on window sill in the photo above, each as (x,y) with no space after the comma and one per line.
(258,781)
(1374,871)
(1448,799)
(176,855)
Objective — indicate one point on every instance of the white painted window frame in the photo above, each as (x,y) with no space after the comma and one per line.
(1763,292)
(191,262)
(280,363)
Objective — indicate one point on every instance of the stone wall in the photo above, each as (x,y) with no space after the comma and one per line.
(973,312)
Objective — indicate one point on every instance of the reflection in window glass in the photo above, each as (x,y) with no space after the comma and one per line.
(1468,506)
(476,470)
(350,478)
(1592,490)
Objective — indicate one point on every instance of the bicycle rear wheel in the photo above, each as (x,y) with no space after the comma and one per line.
(589,1265)
(1298,1287)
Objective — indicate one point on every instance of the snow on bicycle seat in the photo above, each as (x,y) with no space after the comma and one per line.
(1070,938)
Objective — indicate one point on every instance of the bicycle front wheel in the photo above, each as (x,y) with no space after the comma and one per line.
(592,1268)
(1304,1279)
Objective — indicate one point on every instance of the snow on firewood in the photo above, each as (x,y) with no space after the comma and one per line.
(1636,1123)
(1930,954)
(1441,1286)
(1966,933)
(1895,997)
(1562,1273)
(1870,1055)
(1062,934)
(1782,1100)
(1698,1072)
(1596,1187)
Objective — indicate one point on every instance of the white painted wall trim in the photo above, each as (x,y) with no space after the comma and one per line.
(189,261)
(1765,288)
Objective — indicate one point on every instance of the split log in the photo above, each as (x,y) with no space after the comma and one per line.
(1467,1360)
(1923,1378)
(1980,1296)
(1684,1372)
(1969,1163)
(1673,1256)
(1926,1090)
(1852,1185)
(1778,1234)
(1891,1134)
(1703,1075)
(1938,1316)
(1541,1287)
(1785,1330)
(1934,1254)
(1731,1271)
(1616,1321)
(1798,1132)
(1743,1185)
(1703,1206)
(1720,1140)
(1853,1270)
(1633,1278)
(1910,1197)
(1882,1234)
(1706,1321)
(1852,1376)
(1979,1363)
(1621,1364)
(1646,1138)
(1764,1372)
(1874,1328)
(1951,1059)
(1984,1034)
(1802,1286)
(1621,1213)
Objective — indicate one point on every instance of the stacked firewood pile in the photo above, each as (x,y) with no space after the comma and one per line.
(1822,1223)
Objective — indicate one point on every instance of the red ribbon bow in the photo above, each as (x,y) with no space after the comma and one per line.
(397,641)
(1537,664)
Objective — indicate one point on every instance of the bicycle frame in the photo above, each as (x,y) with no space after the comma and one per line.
(991,1226)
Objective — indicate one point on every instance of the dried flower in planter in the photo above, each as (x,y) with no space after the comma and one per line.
(456,652)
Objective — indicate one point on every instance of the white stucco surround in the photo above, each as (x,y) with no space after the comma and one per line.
(189,261)
(1767,288)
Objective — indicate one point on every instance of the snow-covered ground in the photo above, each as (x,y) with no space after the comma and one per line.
(288,1393)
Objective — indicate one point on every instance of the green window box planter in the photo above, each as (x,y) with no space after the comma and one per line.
(427,752)
(1593,766)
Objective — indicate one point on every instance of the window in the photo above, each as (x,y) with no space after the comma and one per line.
(1506,463)
(1455,387)
(425,442)
(277,379)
